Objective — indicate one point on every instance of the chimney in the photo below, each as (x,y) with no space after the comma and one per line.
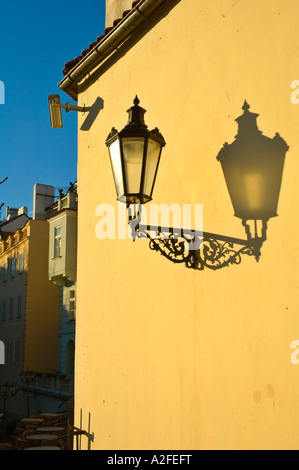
(43,197)
(115,9)
(11,213)
(23,210)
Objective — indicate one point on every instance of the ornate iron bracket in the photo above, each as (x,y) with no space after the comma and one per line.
(199,250)
(202,250)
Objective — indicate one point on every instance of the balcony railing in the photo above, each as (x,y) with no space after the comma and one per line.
(52,384)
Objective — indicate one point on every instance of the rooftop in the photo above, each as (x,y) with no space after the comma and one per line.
(72,63)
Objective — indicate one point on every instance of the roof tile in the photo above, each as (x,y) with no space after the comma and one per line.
(72,63)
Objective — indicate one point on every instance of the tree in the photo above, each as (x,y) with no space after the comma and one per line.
(1,182)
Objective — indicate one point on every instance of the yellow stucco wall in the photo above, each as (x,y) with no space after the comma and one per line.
(114,10)
(42,304)
(168,357)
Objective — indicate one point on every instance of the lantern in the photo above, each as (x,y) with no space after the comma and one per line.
(135,155)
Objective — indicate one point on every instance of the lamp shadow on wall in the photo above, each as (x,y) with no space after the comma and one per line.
(253,167)
(94,110)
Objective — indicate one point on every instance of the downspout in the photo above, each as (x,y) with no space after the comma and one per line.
(123,30)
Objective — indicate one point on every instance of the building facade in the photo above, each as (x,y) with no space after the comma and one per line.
(15,219)
(169,357)
(29,308)
(62,271)
(38,303)
(53,390)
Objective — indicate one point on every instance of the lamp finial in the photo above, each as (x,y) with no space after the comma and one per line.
(245,106)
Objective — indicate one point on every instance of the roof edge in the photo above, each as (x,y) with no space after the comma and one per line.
(6,222)
(113,39)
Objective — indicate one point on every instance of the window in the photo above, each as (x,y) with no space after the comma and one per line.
(13,267)
(57,241)
(3,314)
(19,314)
(21,263)
(11,308)
(72,309)
(70,358)
(5,271)
(12,350)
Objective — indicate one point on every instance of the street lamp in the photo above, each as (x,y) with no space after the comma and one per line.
(7,390)
(252,167)
(135,155)
(27,377)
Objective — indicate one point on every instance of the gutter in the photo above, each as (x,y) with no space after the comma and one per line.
(122,31)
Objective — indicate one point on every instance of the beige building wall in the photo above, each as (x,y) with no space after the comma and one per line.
(115,9)
(13,292)
(168,357)
(29,307)
(42,305)
(13,288)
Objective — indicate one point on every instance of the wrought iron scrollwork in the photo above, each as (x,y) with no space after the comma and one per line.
(174,249)
(212,251)
(214,254)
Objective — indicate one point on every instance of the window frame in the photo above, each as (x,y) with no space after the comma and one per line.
(5,271)
(21,263)
(57,241)
(12,267)
(72,302)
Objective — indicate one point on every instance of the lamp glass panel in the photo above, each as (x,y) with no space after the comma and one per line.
(115,158)
(153,152)
(262,192)
(133,150)
(247,191)
(253,192)
(254,186)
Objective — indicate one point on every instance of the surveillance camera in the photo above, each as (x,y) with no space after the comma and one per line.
(55,111)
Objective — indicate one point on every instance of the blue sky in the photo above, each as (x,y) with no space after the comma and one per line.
(37,37)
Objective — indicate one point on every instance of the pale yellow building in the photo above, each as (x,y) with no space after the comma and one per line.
(29,310)
(169,357)
(62,272)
